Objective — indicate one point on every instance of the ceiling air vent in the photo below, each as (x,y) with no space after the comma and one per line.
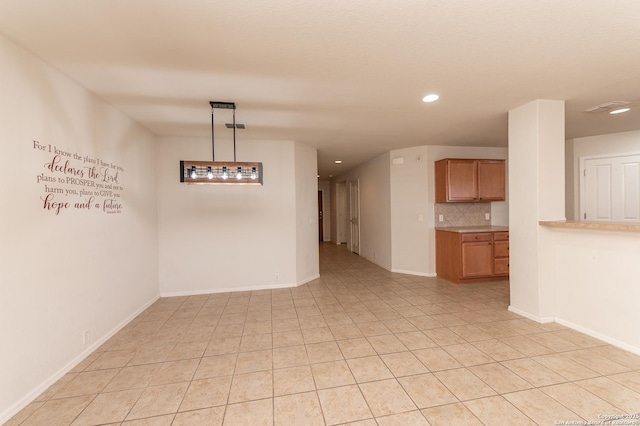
(608,106)
(238,126)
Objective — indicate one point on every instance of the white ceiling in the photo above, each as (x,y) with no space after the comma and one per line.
(344,76)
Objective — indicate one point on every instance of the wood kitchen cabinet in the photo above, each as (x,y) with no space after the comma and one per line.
(501,253)
(467,257)
(476,255)
(468,180)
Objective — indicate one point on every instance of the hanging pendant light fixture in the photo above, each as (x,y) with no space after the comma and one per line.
(221,172)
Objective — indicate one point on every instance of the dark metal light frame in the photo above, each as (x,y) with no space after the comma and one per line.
(221,172)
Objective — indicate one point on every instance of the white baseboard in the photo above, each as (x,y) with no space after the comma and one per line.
(226,290)
(235,289)
(541,320)
(31,396)
(599,336)
(579,328)
(307,280)
(419,274)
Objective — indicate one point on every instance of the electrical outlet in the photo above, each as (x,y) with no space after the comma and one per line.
(440,218)
(86,337)
(277,277)
(487,216)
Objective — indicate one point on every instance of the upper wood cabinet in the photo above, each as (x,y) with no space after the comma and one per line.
(491,180)
(467,180)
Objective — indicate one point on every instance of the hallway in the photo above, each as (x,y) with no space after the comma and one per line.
(360,345)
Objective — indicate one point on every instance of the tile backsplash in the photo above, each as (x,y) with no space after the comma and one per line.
(462,214)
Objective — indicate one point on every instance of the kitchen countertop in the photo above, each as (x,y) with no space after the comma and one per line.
(606,226)
(466,229)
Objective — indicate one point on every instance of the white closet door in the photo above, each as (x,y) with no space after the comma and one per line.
(612,189)
(631,190)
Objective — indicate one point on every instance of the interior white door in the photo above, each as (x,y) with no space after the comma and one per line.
(354,211)
(343,217)
(611,188)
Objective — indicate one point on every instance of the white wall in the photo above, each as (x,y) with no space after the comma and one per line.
(215,238)
(536,192)
(306,208)
(594,271)
(409,194)
(375,209)
(601,145)
(595,281)
(571,195)
(80,269)
(412,196)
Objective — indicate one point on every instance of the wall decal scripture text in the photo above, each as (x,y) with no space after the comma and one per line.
(72,181)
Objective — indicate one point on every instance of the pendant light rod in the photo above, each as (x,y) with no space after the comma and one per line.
(222,172)
(223,105)
(213,145)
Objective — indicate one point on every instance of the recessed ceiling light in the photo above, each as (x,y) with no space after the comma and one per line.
(431,98)
(338,161)
(619,111)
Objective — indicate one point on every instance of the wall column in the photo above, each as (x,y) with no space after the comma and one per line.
(536,192)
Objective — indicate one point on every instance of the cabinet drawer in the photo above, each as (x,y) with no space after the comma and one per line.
(501,249)
(501,266)
(501,236)
(482,236)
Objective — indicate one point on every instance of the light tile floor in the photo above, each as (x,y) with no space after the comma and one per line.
(358,346)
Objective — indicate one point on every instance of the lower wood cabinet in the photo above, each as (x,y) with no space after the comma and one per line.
(472,257)
(501,253)
(477,255)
